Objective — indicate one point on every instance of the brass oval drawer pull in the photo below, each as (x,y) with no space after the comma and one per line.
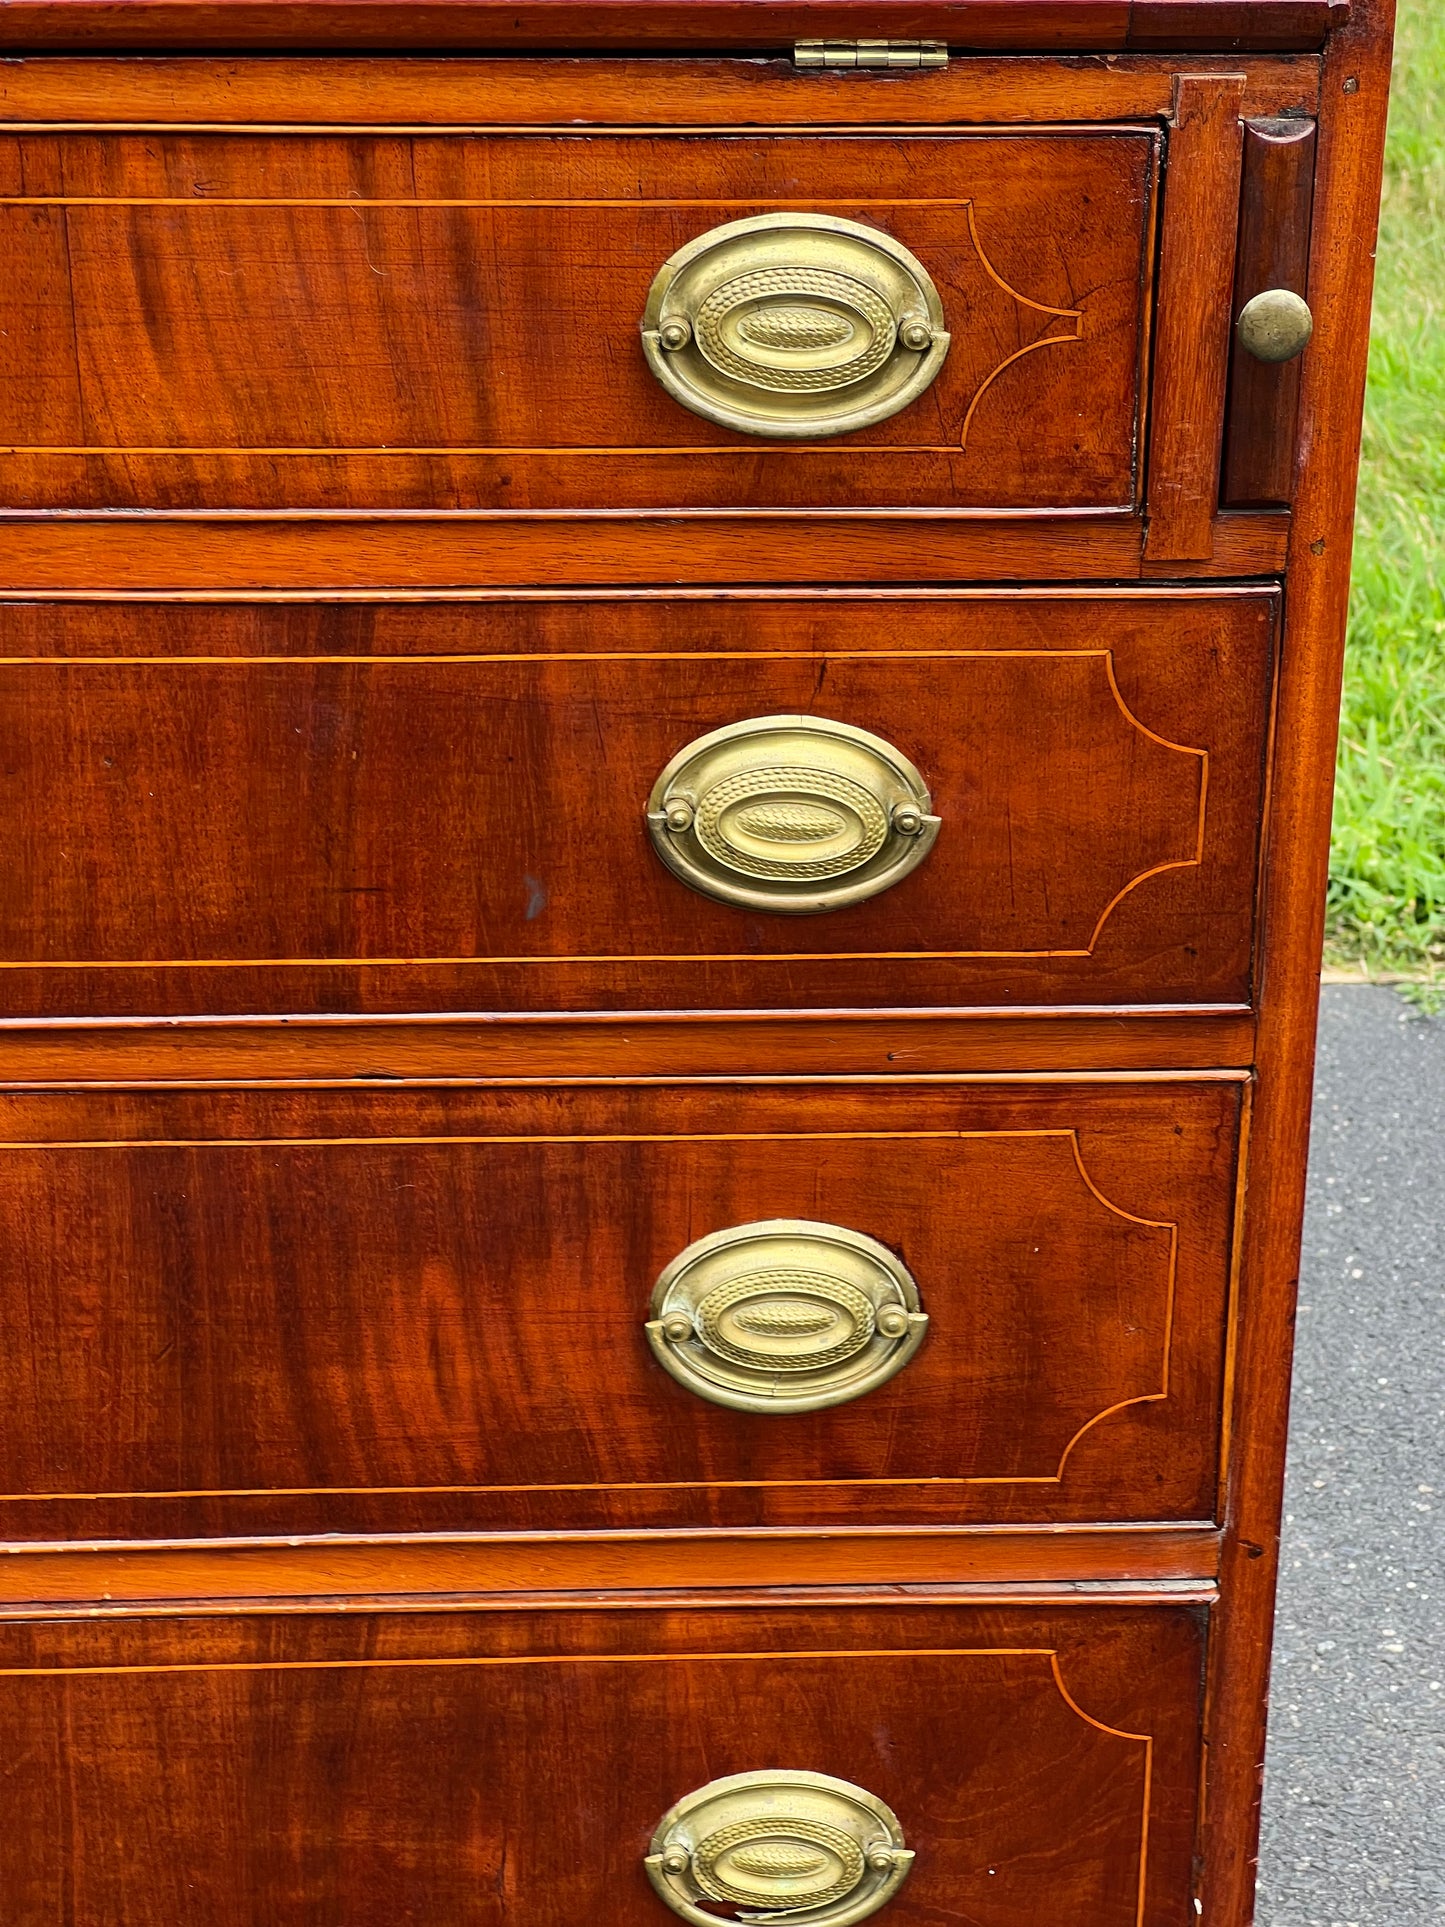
(785,1315)
(1275,326)
(778,1844)
(791,813)
(794,325)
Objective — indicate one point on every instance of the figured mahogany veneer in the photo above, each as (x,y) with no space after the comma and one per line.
(409,320)
(1043,1761)
(409,1310)
(291,806)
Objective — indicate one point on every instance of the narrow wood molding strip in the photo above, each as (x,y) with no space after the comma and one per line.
(1046,1593)
(1064,26)
(112,1573)
(1191,346)
(306,550)
(884,1044)
(441,96)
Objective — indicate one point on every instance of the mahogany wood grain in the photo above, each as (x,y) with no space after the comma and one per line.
(419,1309)
(1191,352)
(576,25)
(114,1576)
(1274,252)
(291,806)
(284,1765)
(513,1766)
(64,552)
(424,321)
(1237,24)
(1332,383)
(420,92)
(604,1045)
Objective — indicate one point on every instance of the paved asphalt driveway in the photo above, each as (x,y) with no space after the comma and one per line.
(1355,1785)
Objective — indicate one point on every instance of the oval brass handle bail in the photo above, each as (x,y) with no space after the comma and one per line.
(791,813)
(785,1315)
(775,1844)
(1275,326)
(794,325)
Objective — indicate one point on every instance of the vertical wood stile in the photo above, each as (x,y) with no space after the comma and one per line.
(1196,282)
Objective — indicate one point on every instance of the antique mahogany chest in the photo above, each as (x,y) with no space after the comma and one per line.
(669,676)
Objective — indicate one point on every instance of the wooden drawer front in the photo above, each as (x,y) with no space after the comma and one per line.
(243,1310)
(440,805)
(373,1768)
(450,321)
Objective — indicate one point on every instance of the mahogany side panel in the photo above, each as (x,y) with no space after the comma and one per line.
(1274,249)
(514,1766)
(291,806)
(334,1310)
(1191,351)
(1332,383)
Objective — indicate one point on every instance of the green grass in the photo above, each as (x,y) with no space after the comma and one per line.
(1387,874)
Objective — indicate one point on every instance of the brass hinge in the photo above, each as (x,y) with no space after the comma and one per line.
(897,56)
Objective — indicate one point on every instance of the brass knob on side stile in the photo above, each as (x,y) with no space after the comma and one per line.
(785,1315)
(794,326)
(791,813)
(778,1845)
(1275,326)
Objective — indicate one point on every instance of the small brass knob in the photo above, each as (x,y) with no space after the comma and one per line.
(1275,326)
(791,813)
(778,1844)
(794,326)
(785,1315)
